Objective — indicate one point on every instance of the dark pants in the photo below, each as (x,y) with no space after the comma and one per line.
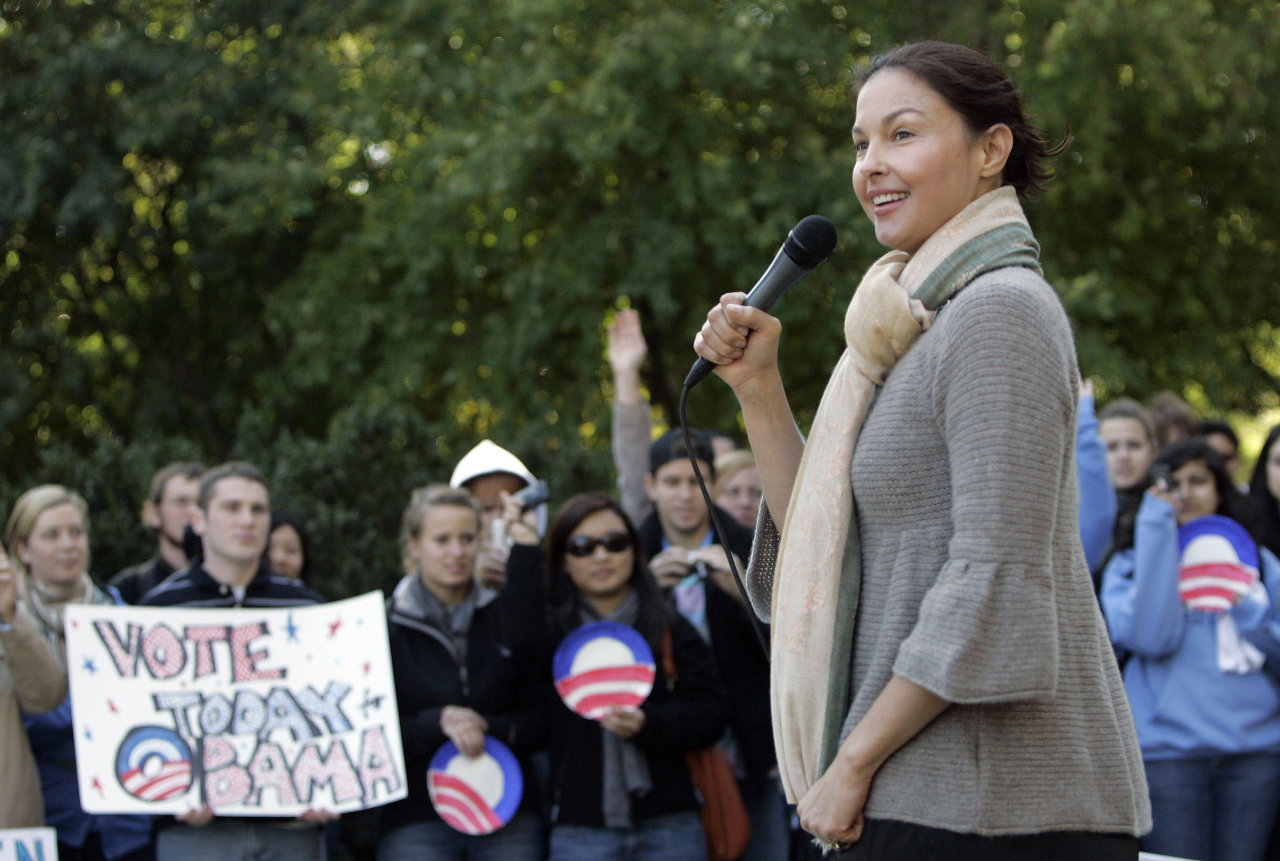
(886,840)
(92,851)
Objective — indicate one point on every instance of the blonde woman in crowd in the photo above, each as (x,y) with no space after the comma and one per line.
(737,488)
(468,663)
(48,530)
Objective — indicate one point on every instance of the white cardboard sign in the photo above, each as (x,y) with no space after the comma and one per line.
(28,844)
(254,712)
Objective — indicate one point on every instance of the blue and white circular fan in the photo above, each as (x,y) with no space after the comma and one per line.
(1219,563)
(603,665)
(475,794)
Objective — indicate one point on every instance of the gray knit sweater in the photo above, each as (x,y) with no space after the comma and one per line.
(975,585)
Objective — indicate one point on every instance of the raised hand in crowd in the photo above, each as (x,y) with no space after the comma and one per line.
(627,352)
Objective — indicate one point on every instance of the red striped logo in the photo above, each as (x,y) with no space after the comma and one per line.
(591,693)
(1213,576)
(170,779)
(461,806)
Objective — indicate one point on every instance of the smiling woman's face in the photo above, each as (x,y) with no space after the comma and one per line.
(918,164)
(603,575)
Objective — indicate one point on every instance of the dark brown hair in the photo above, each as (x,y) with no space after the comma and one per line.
(979,90)
(1266,507)
(1172,418)
(1179,453)
(562,595)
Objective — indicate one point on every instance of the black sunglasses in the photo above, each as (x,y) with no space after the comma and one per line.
(585,545)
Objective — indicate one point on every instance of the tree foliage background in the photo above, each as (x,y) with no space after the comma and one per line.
(347,241)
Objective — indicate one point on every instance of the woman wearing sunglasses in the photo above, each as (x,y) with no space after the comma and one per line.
(620,788)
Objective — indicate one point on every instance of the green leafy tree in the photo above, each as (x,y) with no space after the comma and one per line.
(165,173)
(348,241)
(1161,232)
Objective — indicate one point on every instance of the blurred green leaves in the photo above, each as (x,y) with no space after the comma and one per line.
(249,225)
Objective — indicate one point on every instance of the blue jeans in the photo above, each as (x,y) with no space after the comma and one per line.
(240,840)
(521,839)
(675,837)
(770,820)
(1217,808)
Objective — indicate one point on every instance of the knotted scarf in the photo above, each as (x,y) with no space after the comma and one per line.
(48,603)
(817,573)
(625,769)
(453,623)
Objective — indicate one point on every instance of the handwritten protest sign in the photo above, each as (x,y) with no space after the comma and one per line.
(254,712)
(28,844)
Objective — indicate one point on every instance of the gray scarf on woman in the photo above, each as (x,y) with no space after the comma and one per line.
(626,771)
(453,623)
(49,601)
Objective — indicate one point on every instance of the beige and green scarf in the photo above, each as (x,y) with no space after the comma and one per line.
(817,574)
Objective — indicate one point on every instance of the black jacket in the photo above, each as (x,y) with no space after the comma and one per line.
(742,663)
(689,715)
(193,587)
(137,580)
(507,667)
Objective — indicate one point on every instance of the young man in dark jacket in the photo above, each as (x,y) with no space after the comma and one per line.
(232,518)
(689,561)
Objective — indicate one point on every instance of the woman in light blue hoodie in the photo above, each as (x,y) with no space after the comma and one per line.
(1188,604)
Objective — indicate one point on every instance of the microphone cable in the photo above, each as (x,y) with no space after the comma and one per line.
(806,246)
(717,527)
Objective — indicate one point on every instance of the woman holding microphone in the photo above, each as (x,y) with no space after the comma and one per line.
(942,681)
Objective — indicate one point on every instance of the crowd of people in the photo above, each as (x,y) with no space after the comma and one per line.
(470,661)
(469,658)
(1196,635)
(918,663)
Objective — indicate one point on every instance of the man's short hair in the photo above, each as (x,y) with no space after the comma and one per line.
(230,469)
(187,469)
(671,446)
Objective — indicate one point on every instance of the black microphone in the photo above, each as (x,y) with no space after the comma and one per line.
(807,245)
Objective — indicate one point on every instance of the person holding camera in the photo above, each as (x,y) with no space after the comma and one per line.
(1190,615)
(488,471)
